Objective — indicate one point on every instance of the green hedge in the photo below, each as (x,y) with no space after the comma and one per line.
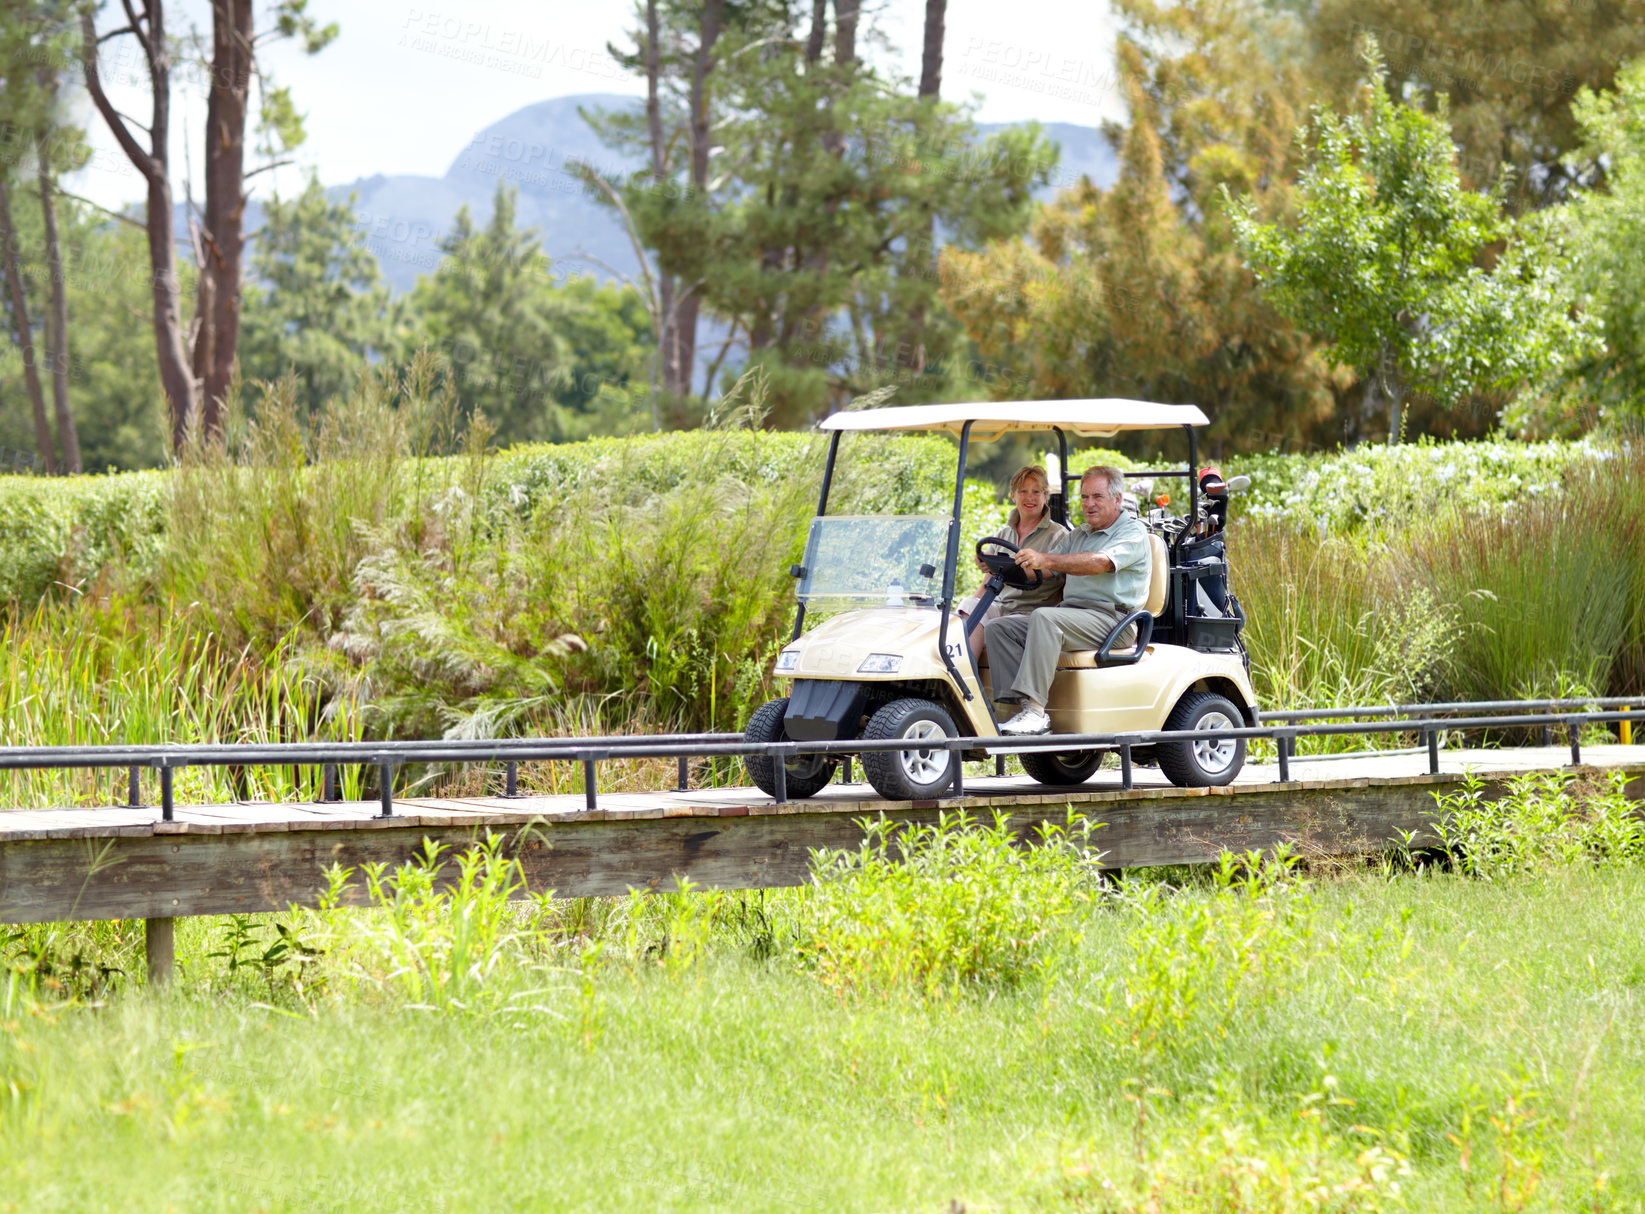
(68,532)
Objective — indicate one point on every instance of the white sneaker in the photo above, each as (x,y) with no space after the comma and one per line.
(1030,720)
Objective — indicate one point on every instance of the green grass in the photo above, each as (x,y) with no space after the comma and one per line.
(1239,1039)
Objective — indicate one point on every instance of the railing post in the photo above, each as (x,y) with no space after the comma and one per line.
(999,763)
(511,779)
(329,790)
(779,771)
(1574,732)
(590,795)
(167,805)
(1285,739)
(385,771)
(1431,737)
(134,789)
(845,770)
(1126,776)
(957,788)
(684,781)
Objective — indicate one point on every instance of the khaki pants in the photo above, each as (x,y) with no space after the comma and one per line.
(1023,649)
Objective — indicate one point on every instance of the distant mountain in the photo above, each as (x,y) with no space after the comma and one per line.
(404,217)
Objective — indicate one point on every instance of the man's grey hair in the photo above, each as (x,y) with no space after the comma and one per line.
(1106,472)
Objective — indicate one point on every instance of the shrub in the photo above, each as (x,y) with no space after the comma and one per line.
(1375,488)
(933,911)
(1544,820)
(63,535)
(428,938)
(1196,966)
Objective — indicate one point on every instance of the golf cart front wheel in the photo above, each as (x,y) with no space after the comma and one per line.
(1204,762)
(1065,767)
(915,774)
(807,774)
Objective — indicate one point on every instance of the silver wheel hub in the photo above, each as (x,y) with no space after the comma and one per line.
(925,766)
(1214,755)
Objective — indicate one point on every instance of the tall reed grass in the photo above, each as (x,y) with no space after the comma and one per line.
(1544,599)
(142,673)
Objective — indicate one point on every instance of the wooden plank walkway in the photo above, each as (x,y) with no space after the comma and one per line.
(217,859)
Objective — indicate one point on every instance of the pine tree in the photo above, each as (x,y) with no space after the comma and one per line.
(318,307)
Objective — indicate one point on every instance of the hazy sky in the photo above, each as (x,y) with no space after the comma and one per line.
(405,86)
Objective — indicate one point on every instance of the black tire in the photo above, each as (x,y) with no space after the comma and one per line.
(807,774)
(909,775)
(1204,764)
(1066,767)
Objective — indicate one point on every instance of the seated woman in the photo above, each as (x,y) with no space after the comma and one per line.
(1029,526)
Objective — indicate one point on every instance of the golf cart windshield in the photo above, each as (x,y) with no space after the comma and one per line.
(880,559)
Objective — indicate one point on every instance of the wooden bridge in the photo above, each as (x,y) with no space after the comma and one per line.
(126,863)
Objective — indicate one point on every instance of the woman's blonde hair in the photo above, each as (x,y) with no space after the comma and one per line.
(1028,470)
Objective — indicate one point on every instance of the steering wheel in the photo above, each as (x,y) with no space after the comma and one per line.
(1003,567)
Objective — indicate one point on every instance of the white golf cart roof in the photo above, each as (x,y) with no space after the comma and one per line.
(1086,418)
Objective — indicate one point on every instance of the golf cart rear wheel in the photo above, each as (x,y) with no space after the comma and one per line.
(910,775)
(1204,762)
(807,774)
(1067,767)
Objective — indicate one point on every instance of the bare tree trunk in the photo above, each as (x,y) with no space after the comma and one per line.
(931,61)
(1392,388)
(176,376)
(685,328)
(667,345)
(221,244)
(921,249)
(57,317)
(819,31)
(845,30)
(25,335)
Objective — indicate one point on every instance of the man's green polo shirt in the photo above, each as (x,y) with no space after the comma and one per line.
(1125,542)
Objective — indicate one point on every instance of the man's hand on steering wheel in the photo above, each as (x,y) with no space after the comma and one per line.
(1007,565)
(1031,558)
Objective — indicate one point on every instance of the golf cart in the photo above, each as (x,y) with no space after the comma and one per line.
(894,663)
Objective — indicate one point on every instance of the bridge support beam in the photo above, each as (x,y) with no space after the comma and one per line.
(160,949)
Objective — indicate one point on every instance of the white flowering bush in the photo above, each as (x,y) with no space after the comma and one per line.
(1372,489)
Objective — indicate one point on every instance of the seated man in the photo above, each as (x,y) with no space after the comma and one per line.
(1107,566)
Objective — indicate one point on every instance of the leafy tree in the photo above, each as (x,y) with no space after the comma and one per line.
(808,236)
(195,369)
(36,43)
(319,306)
(1386,260)
(609,333)
(832,176)
(1509,70)
(119,411)
(1607,230)
(1137,290)
(511,336)
(675,51)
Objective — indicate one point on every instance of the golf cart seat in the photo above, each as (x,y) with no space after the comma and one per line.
(1159,561)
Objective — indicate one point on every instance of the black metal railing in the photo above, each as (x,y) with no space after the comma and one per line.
(1283,728)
